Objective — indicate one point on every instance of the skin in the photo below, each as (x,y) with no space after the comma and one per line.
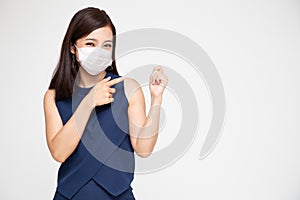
(143,129)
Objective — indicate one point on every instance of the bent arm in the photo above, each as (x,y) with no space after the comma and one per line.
(143,129)
(63,139)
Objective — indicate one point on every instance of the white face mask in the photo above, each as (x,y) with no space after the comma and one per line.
(94,59)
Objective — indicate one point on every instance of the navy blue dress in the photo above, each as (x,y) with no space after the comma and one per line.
(102,165)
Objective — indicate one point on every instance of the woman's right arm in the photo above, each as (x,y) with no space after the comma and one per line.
(63,139)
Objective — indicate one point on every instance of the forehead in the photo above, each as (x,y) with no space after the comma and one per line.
(100,34)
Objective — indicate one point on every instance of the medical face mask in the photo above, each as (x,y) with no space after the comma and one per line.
(94,59)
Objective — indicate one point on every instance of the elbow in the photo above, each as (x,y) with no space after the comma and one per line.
(143,155)
(57,154)
(60,160)
(143,152)
(58,157)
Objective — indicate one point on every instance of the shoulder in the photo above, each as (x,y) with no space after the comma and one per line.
(49,96)
(130,82)
(133,90)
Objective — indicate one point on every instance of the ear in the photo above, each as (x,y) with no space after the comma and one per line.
(72,49)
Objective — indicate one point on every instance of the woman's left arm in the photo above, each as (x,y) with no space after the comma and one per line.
(144,129)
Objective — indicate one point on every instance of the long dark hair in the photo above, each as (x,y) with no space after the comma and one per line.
(83,22)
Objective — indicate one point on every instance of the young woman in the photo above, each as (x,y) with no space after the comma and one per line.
(95,119)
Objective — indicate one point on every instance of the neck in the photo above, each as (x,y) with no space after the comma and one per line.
(86,80)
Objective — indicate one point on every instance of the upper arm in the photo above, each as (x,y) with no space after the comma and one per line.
(136,107)
(53,121)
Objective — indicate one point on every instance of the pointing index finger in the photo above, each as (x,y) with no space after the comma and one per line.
(115,81)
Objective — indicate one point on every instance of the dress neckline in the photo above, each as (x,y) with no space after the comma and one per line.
(84,90)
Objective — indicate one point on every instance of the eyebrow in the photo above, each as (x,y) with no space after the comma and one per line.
(96,40)
(91,39)
(107,41)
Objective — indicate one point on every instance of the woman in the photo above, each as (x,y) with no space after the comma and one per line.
(95,118)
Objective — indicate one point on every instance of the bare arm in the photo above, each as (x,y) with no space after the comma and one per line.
(144,129)
(63,139)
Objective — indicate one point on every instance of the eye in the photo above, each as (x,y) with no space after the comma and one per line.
(107,45)
(90,44)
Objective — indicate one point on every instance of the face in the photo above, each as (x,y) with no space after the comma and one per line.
(100,37)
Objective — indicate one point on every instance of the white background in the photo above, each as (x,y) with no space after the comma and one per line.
(255,46)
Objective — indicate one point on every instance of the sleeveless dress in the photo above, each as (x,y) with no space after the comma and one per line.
(102,165)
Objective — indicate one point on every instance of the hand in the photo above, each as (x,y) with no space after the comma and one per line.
(102,93)
(158,82)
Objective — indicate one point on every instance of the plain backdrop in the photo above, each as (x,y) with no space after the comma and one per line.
(255,46)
